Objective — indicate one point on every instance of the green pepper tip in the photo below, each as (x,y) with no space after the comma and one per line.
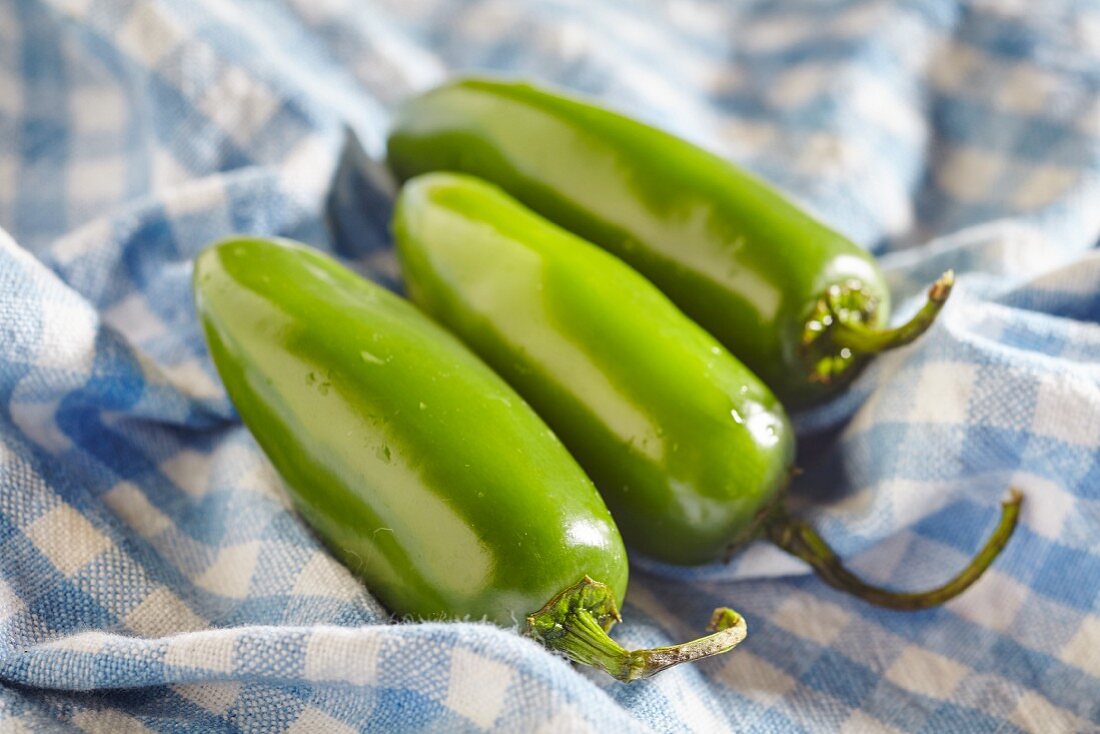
(941,289)
(723,618)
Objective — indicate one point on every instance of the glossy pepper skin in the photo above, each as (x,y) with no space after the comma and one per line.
(425,472)
(690,450)
(686,445)
(413,461)
(799,303)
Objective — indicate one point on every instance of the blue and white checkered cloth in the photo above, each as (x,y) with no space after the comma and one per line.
(152,574)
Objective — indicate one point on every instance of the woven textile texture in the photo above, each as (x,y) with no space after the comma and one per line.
(152,573)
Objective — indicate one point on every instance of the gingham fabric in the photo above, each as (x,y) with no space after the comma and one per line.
(152,574)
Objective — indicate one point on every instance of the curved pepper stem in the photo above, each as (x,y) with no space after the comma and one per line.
(799,539)
(837,338)
(850,333)
(576,622)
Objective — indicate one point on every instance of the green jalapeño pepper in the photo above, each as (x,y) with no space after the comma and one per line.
(800,304)
(689,449)
(413,461)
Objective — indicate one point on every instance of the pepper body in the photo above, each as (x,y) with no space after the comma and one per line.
(686,445)
(415,463)
(735,255)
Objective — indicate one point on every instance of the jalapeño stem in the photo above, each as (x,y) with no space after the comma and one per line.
(799,539)
(852,334)
(576,621)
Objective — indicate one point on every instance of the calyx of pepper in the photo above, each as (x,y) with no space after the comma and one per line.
(837,337)
(577,620)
